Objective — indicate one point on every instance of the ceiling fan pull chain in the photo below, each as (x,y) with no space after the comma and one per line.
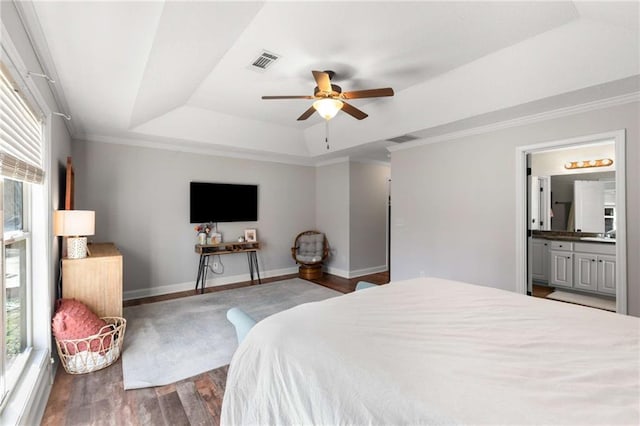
(326,133)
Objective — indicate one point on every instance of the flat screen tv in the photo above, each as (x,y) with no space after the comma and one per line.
(223,202)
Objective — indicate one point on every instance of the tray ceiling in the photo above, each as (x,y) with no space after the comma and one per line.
(180,72)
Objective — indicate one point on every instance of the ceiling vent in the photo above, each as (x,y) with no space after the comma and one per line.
(403,139)
(264,60)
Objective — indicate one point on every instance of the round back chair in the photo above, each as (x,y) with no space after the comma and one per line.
(310,250)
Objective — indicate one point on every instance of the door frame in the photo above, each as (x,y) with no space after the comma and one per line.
(619,139)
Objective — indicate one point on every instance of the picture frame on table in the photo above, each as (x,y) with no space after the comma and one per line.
(250,235)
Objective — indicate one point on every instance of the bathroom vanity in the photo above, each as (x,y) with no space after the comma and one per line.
(580,263)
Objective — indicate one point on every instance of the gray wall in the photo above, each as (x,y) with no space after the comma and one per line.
(454,202)
(141,199)
(332,213)
(369,190)
(351,208)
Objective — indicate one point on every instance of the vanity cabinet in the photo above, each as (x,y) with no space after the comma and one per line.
(540,260)
(561,271)
(589,267)
(606,282)
(595,267)
(586,267)
(595,273)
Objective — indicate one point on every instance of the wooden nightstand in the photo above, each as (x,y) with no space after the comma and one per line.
(95,280)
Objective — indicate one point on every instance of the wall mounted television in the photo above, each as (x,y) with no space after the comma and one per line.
(223,202)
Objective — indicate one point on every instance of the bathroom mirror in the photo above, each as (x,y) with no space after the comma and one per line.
(583,202)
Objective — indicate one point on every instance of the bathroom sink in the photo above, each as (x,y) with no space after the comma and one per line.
(599,239)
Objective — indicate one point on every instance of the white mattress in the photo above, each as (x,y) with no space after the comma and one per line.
(436,351)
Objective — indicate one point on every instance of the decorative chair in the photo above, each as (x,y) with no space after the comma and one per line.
(310,250)
(364,284)
(241,321)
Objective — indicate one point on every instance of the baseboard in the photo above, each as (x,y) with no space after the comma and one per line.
(216,280)
(335,271)
(232,279)
(355,273)
(367,271)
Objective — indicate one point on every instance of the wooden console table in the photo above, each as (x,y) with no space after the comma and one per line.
(207,250)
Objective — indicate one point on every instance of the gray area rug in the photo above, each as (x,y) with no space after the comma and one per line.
(172,340)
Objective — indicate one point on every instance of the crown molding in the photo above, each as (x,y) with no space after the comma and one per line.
(522,121)
(188,147)
(332,161)
(371,161)
(40,47)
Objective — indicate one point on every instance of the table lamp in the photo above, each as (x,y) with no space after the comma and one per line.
(75,224)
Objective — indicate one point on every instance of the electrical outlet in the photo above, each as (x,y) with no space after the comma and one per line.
(215,265)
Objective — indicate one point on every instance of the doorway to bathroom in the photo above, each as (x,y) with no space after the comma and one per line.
(571,225)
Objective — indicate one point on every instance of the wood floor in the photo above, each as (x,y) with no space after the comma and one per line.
(98,398)
(541,291)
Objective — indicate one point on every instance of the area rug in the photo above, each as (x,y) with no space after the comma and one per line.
(584,299)
(172,340)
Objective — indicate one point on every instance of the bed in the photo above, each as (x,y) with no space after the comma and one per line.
(434,351)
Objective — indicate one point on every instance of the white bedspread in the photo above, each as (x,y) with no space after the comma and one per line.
(433,351)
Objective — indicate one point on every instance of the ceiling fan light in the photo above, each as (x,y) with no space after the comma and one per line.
(327,107)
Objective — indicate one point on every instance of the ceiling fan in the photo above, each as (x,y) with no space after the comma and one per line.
(330,98)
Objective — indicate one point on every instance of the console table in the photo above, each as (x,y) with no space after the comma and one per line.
(95,280)
(207,250)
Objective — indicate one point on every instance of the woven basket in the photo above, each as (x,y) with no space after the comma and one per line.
(76,356)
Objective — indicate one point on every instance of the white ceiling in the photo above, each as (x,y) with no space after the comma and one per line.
(177,74)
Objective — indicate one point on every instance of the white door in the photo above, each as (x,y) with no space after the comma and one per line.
(534,203)
(545,202)
(540,203)
(588,199)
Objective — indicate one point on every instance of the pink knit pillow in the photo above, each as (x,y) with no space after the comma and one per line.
(74,320)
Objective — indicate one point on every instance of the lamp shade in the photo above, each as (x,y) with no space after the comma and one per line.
(327,107)
(73,223)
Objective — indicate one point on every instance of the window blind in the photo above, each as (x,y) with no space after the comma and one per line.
(20,134)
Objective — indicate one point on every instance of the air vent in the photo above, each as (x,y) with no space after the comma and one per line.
(265,60)
(403,138)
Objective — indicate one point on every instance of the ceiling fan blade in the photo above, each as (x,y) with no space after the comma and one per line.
(354,112)
(371,93)
(308,113)
(323,81)
(288,97)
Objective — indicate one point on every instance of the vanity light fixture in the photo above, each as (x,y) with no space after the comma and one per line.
(603,162)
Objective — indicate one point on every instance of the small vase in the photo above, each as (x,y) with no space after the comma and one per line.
(202,238)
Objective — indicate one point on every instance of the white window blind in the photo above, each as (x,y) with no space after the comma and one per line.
(20,134)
